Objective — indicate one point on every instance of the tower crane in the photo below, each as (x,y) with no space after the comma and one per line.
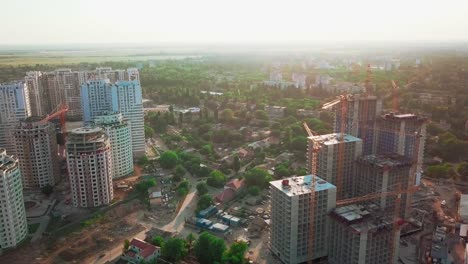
(343,101)
(313,171)
(395,96)
(59,112)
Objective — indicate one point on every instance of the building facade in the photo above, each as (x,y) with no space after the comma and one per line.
(404,134)
(360,119)
(14,106)
(327,160)
(384,173)
(90,168)
(124,97)
(33,80)
(13,224)
(37,151)
(290,218)
(358,235)
(120,138)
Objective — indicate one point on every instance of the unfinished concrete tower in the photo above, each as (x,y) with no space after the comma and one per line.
(89,160)
(384,173)
(37,151)
(358,235)
(360,120)
(327,159)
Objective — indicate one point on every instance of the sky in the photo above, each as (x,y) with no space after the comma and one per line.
(235,21)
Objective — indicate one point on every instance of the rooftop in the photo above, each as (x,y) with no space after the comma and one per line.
(301,185)
(334,138)
(400,117)
(360,218)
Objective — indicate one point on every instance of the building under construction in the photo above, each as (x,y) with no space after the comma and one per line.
(328,159)
(292,239)
(362,234)
(361,113)
(37,151)
(383,173)
(404,134)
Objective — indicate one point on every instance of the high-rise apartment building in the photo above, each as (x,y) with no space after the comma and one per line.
(290,218)
(90,168)
(118,130)
(37,98)
(13,224)
(361,235)
(124,97)
(96,98)
(327,159)
(14,106)
(361,119)
(402,134)
(36,149)
(384,173)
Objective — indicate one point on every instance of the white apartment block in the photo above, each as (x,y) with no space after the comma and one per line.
(33,80)
(90,168)
(95,98)
(119,134)
(36,149)
(13,224)
(127,99)
(14,106)
(327,159)
(290,218)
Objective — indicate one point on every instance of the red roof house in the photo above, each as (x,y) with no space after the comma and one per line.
(140,250)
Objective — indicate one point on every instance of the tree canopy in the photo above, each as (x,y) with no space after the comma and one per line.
(168,160)
(209,248)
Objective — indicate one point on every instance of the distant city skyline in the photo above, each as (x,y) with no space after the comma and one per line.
(209,21)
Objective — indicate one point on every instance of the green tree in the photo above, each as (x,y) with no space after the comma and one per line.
(202,188)
(216,179)
(209,248)
(261,114)
(236,163)
(257,177)
(168,160)
(299,143)
(254,190)
(174,249)
(227,115)
(190,240)
(179,173)
(183,188)
(149,131)
(47,189)
(204,202)
(236,253)
(157,241)
(143,160)
(126,245)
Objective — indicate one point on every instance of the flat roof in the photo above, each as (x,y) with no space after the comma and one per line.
(301,185)
(359,218)
(331,139)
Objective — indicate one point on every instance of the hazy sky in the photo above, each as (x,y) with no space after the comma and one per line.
(233,21)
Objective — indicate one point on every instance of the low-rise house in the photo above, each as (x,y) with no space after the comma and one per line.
(275,112)
(231,189)
(139,251)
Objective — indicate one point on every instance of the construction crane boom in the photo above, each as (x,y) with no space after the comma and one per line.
(395,96)
(371,196)
(313,171)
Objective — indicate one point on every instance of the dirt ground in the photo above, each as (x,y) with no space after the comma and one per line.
(117,225)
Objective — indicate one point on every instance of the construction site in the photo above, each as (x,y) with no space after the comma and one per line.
(381,209)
